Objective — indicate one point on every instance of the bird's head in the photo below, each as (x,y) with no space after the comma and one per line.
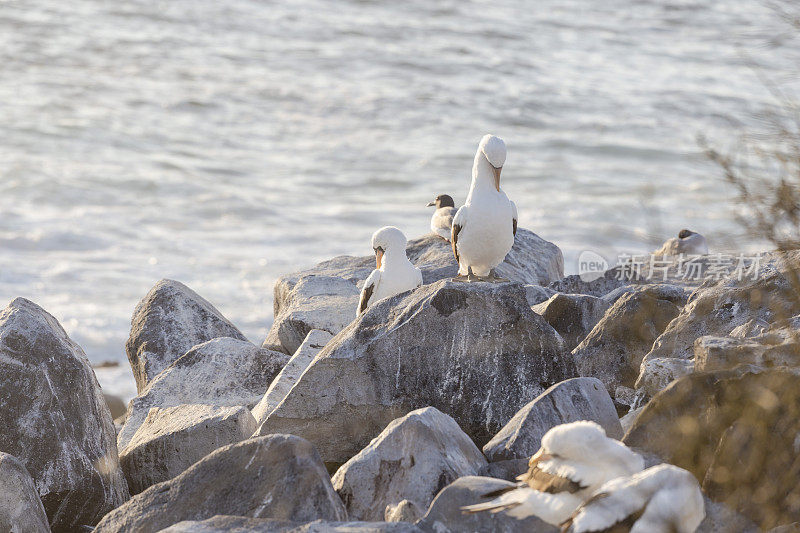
(494,150)
(443,200)
(685,233)
(387,239)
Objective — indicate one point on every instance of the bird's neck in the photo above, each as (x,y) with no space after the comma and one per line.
(394,258)
(482,177)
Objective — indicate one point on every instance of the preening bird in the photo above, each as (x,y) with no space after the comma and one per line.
(662,499)
(442,219)
(485,226)
(688,243)
(393,272)
(575,460)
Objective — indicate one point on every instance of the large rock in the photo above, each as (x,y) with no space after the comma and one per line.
(736,431)
(314,342)
(474,351)
(53,418)
(166,324)
(569,401)
(221,372)
(280,476)
(172,439)
(719,308)
(656,374)
(573,316)
(721,519)
(412,459)
(326,296)
(240,524)
(21,510)
(766,351)
(614,349)
(445,514)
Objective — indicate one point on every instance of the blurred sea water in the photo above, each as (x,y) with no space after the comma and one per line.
(225,143)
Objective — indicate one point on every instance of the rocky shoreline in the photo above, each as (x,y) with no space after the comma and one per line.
(395,420)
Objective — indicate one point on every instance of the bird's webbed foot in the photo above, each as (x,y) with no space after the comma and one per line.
(468,278)
(494,278)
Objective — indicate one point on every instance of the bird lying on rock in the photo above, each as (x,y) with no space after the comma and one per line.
(393,272)
(688,243)
(442,219)
(485,226)
(574,461)
(662,499)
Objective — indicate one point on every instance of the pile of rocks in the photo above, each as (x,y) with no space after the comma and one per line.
(394,420)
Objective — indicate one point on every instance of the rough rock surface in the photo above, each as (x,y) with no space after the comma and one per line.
(573,316)
(657,373)
(240,524)
(280,476)
(405,511)
(414,458)
(21,510)
(53,418)
(721,519)
(168,321)
(736,431)
(574,284)
(474,351)
(614,349)
(326,296)
(222,372)
(720,307)
(767,350)
(314,342)
(569,401)
(172,439)
(445,515)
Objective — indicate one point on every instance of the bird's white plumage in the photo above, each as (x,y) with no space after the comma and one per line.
(668,498)
(396,273)
(525,502)
(442,222)
(693,244)
(487,217)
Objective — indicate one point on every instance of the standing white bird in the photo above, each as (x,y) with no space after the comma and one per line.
(662,499)
(485,227)
(442,219)
(688,243)
(574,461)
(393,273)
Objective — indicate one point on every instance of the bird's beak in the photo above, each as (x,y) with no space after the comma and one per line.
(378,258)
(431,204)
(496,171)
(538,457)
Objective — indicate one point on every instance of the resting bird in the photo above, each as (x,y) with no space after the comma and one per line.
(662,499)
(442,219)
(393,273)
(574,461)
(687,243)
(485,227)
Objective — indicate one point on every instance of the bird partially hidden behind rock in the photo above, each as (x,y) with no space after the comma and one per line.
(574,461)
(393,272)
(662,499)
(485,226)
(688,242)
(442,219)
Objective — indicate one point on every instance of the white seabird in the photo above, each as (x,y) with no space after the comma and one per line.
(442,219)
(688,243)
(485,227)
(662,499)
(574,461)
(393,273)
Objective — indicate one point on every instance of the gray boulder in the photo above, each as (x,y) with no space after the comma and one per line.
(445,514)
(767,350)
(240,524)
(172,439)
(280,476)
(168,321)
(405,511)
(53,418)
(656,374)
(326,296)
(414,458)
(569,401)
(614,349)
(722,519)
(474,351)
(314,342)
(221,372)
(573,316)
(21,510)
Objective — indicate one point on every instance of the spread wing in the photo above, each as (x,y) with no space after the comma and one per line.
(515,215)
(368,290)
(615,507)
(458,224)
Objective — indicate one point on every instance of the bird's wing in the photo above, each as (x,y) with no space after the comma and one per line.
(617,503)
(515,215)
(524,502)
(368,290)
(458,224)
(538,479)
